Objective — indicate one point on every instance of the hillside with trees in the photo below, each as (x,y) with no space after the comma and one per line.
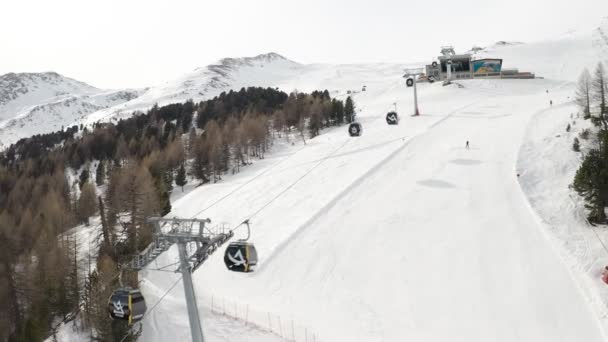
(126,172)
(591,179)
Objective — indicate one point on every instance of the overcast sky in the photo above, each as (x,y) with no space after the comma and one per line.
(136,43)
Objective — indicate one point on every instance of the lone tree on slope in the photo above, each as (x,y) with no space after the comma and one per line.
(180,179)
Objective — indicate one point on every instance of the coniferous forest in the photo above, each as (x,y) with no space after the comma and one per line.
(119,173)
(591,179)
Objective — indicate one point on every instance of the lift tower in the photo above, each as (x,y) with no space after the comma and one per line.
(185,233)
(412,75)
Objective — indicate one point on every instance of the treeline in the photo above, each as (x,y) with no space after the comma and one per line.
(591,179)
(134,164)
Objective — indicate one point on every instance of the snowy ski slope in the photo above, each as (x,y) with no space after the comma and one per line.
(401,234)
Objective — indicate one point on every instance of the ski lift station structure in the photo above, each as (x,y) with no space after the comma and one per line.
(451,66)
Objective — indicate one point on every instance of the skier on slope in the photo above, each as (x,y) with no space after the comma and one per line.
(467,145)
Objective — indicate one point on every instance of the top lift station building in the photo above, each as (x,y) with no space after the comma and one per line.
(465,67)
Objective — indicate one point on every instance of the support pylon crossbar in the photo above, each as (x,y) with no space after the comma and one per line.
(169,231)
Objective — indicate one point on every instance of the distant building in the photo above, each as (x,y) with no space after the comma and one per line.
(465,67)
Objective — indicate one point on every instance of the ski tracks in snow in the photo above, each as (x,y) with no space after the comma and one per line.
(353,185)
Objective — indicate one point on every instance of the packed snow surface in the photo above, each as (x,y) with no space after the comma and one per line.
(402,233)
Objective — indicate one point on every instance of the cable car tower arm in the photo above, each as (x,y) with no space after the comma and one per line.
(169,231)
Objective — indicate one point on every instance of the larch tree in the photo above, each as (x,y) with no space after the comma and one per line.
(200,162)
(599,93)
(278,121)
(316,117)
(87,203)
(180,179)
(583,93)
(213,136)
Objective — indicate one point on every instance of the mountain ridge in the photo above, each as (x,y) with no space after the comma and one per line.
(264,70)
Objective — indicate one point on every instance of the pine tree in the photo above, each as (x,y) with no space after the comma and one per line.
(168,179)
(349,110)
(100,173)
(576,145)
(591,182)
(339,110)
(568,128)
(327,112)
(84,175)
(164,198)
(181,180)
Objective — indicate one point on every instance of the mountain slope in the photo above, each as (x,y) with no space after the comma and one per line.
(402,233)
(34,103)
(208,82)
(562,58)
(51,100)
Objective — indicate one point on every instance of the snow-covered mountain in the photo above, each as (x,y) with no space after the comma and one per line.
(561,58)
(207,82)
(34,103)
(39,103)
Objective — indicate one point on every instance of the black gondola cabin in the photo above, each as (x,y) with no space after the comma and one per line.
(392,118)
(241,256)
(127,304)
(355,129)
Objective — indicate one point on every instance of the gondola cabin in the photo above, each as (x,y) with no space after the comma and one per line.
(127,304)
(392,118)
(241,256)
(355,129)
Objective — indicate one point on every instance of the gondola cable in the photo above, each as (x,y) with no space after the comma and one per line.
(296,181)
(248,182)
(250,216)
(155,305)
(241,255)
(257,211)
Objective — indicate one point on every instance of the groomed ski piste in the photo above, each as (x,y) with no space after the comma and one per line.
(403,234)
(400,234)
